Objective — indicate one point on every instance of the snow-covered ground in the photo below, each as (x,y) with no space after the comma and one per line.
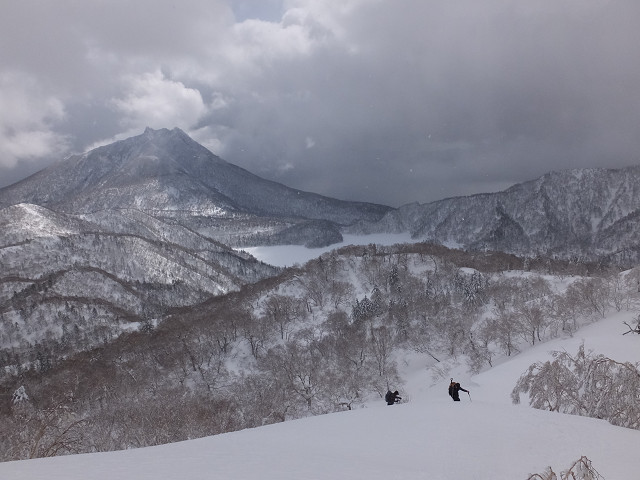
(483,437)
(289,255)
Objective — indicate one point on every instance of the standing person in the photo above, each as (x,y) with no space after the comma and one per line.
(454,389)
(392,397)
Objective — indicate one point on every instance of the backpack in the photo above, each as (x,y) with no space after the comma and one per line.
(452,388)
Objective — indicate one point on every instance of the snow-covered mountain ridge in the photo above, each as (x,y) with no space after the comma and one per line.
(124,233)
(589,214)
(585,213)
(166,174)
(83,279)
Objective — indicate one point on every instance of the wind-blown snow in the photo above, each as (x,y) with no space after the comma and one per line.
(289,255)
(483,437)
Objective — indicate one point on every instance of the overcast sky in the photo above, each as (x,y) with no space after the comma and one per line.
(387,101)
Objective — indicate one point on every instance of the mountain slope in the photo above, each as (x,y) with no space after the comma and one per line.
(429,437)
(588,213)
(80,281)
(165,170)
(120,235)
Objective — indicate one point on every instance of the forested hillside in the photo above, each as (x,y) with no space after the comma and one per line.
(320,338)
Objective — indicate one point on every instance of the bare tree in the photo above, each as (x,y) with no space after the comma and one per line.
(453,326)
(505,327)
(340,293)
(47,432)
(563,314)
(282,310)
(592,295)
(618,290)
(634,327)
(480,352)
(532,319)
(299,370)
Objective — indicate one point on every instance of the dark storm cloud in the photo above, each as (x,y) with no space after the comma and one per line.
(389,102)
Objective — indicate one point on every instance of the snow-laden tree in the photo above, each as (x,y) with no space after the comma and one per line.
(585,384)
(19,396)
(582,469)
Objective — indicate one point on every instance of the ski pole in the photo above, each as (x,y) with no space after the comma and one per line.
(469,393)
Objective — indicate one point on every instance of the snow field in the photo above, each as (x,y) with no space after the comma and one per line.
(430,437)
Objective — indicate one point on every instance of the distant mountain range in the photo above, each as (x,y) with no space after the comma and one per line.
(123,234)
(166,174)
(166,178)
(129,231)
(586,214)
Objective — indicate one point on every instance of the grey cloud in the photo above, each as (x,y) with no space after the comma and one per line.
(389,102)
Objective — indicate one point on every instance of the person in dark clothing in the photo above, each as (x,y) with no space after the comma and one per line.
(392,397)
(454,389)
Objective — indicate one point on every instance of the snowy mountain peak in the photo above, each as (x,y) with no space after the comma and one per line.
(166,171)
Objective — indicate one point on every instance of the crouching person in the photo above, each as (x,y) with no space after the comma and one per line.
(392,397)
